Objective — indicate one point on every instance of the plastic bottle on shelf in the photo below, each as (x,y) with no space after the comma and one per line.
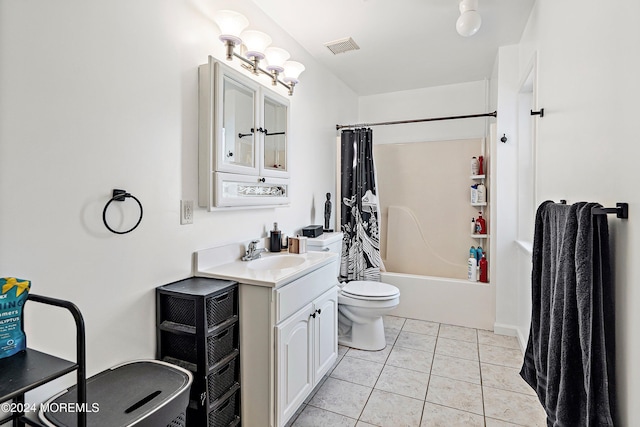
(473,226)
(475,166)
(481,193)
(484,267)
(472,268)
(479,254)
(474,193)
(481,165)
(481,224)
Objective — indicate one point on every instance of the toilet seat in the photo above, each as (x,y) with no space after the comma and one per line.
(369,290)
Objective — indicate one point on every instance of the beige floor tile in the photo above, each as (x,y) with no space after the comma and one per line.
(443,416)
(410,359)
(391,335)
(457,348)
(416,341)
(505,378)
(501,356)
(403,381)
(455,394)
(491,422)
(315,389)
(456,368)
(447,363)
(513,407)
(393,322)
(490,338)
(382,410)
(458,333)
(336,363)
(342,350)
(316,417)
(357,371)
(421,327)
(341,397)
(295,415)
(379,356)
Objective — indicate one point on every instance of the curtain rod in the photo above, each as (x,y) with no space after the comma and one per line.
(432,119)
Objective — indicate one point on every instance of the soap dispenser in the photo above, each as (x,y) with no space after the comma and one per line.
(275,237)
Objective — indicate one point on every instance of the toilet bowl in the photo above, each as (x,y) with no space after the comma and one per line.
(361,305)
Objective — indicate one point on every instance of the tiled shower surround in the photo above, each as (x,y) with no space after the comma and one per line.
(429,374)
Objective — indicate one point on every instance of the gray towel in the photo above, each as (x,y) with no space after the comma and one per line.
(569,360)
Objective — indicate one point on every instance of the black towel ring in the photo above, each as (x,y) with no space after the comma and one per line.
(120,196)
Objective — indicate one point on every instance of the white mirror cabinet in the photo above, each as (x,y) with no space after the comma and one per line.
(243,141)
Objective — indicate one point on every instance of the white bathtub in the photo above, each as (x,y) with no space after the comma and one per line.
(451,301)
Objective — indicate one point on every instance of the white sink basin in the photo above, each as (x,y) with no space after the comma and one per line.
(275,262)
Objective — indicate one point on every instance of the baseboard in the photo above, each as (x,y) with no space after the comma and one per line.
(512,331)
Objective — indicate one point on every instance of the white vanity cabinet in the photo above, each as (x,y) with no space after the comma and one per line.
(306,347)
(292,341)
(243,131)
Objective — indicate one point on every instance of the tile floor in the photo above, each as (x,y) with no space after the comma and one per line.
(429,374)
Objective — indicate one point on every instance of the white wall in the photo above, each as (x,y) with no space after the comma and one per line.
(102,95)
(504,190)
(438,101)
(587,145)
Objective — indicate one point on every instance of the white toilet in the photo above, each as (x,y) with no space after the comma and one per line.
(361,304)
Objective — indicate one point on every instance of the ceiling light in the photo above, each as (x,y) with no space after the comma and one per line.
(470,20)
(231,26)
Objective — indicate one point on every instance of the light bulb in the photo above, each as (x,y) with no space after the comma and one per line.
(256,42)
(276,58)
(231,25)
(468,23)
(466,5)
(292,71)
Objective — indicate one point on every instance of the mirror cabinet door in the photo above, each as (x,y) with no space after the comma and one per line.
(275,129)
(238,121)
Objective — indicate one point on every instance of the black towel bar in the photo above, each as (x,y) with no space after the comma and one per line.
(621,210)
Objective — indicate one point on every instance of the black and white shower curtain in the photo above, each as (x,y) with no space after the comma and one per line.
(360,211)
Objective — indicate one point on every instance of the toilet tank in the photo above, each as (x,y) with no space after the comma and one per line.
(327,242)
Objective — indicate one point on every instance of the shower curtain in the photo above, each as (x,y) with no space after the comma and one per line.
(359,208)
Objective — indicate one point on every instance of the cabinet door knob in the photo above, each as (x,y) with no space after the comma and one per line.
(319,311)
(313,315)
(261,180)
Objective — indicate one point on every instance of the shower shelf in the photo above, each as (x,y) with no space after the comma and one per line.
(480,236)
(478,176)
(479,204)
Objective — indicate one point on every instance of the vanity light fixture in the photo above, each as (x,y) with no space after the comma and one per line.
(292,70)
(276,58)
(470,20)
(257,43)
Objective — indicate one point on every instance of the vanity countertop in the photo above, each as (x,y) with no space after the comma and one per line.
(221,263)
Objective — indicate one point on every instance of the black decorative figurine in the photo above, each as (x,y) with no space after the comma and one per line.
(327,213)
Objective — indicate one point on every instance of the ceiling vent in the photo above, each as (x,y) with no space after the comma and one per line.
(342,45)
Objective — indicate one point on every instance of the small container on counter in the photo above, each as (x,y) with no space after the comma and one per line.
(275,242)
(298,245)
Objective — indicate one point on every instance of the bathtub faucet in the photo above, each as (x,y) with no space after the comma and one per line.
(253,252)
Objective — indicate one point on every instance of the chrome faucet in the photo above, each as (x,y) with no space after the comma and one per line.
(253,252)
